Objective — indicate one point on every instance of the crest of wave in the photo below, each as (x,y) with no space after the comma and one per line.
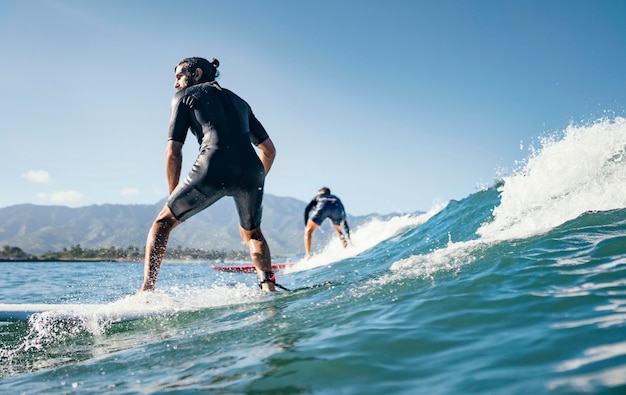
(582,170)
(579,170)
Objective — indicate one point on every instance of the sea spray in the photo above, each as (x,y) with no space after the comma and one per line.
(365,237)
(585,170)
(578,170)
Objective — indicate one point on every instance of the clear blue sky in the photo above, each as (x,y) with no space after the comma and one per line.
(392,104)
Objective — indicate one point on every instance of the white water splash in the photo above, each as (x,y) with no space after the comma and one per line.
(583,171)
(365,237)
(54,324)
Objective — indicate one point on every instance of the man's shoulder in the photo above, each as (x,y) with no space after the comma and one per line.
(192,93)
(235,96)
(196,89)
(328,198)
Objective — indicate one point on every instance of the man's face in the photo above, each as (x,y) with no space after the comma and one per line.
(183,77)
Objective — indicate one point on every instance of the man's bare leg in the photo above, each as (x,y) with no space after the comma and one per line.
(259,253)
(345,240)
(308,237)
(156,244)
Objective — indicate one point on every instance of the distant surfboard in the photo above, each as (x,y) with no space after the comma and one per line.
(250,268)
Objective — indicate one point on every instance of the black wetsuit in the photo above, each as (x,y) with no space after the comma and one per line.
(227,164)
(326,206)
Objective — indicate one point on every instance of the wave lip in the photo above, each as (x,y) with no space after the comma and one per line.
(582,171)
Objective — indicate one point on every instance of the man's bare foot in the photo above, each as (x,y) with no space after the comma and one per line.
(145,289)
(268,287)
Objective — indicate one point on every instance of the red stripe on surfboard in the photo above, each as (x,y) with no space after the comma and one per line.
(249,268)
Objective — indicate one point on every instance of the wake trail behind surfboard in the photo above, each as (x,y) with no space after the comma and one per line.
(33,327)
(144,305)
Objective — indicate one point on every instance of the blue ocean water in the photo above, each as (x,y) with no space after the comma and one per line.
(519,288)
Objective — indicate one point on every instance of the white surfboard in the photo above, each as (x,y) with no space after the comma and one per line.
(21,312)
(123,310)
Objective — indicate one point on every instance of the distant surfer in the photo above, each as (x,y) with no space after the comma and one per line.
(322,206)
(227,165)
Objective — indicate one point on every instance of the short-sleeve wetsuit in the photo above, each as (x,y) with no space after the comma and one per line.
(227,165)
(326,206)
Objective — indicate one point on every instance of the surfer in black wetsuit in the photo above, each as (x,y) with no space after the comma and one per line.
(323,206)
(227,165)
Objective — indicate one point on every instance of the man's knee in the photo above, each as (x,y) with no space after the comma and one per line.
(253,238)
(255,241)
(165,219)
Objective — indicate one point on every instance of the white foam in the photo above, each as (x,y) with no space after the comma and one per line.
(55,323)
(365,237)
(584,170)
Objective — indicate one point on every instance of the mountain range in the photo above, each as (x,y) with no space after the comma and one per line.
(37,229)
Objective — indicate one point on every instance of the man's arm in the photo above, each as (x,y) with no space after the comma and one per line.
(267,153)
(173,163)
